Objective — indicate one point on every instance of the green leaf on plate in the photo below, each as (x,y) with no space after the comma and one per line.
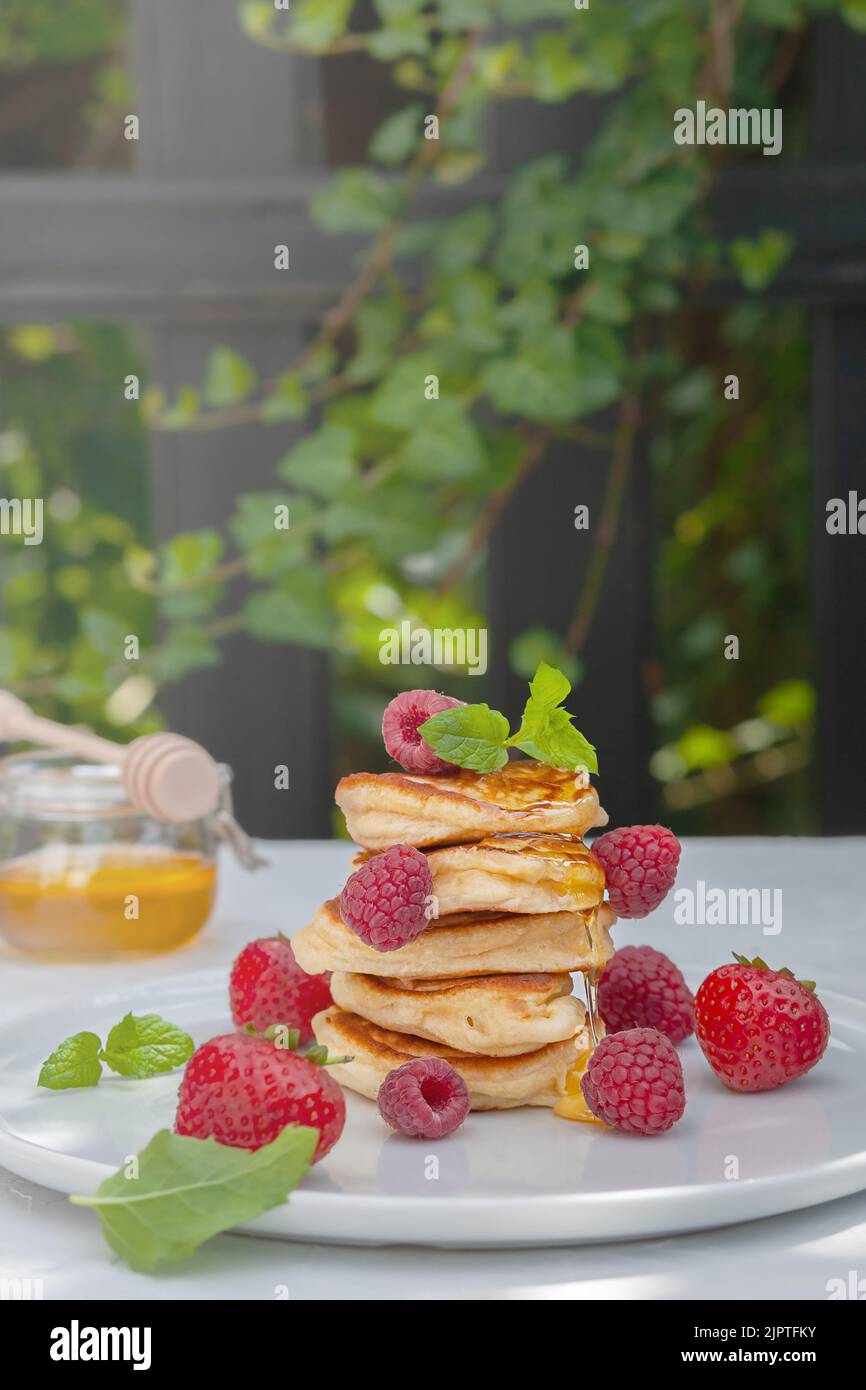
(74,1063)
(182,1191)
(146,1045)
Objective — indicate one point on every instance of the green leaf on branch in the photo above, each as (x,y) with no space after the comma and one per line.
(186,647)
(463,15)
(271,549)
(229,378)
(190,556)
(187,1190)
(462,241)
(323,463)
(317,23)
(456,166)
(399,136)
(356,201)
(257,17)
(287,400)
(400,38)
(758,261)
(446,445)
(296,610)
(377,324)
(185,409)
(400,394)
(557,71)
(541,383)
(391,10)
(106,631)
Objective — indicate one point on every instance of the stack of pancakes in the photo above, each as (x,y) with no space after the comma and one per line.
(517,907)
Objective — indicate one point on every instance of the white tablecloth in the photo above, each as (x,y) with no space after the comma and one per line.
(823,937)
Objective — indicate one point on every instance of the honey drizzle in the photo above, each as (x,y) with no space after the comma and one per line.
(572,1105)
(521,786)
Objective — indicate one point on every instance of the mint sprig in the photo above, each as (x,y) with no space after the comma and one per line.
(137,1047)
(477,737)
(182,1191)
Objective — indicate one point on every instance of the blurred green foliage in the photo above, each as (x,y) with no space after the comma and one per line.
(43,31)
(69,602)
(388,492)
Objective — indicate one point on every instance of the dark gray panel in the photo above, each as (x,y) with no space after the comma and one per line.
(266,704)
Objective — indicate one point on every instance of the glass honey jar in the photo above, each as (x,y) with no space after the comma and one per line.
(84,874)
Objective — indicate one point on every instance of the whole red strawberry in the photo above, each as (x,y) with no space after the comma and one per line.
(757,1027)
(245,1090)
(268,987)
(640,866)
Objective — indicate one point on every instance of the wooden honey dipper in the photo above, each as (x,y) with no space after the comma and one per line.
(170,777)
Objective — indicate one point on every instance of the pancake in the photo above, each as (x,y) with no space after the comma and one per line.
(513,873)
(471,943)
(390,808)
(498,1015)
(495,1083)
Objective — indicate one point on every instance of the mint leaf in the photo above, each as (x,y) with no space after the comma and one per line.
(469,736)
(188,1190)
(548,687)
(546,731)
(74,1063)
(558,743)
(146,1046)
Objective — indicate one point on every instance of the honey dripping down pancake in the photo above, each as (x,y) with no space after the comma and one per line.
(383,809)
(516,872)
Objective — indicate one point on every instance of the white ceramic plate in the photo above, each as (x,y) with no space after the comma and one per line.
(509,1178)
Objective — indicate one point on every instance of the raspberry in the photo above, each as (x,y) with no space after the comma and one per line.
(641,988)
(634,1082)
(759,1028)
(640,865)
(386,901)
(425,1099)
(400,724)
(245,1090)
(267,986)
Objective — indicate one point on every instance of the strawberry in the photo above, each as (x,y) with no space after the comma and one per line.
(267,987)
(244,1090)
(757,1027)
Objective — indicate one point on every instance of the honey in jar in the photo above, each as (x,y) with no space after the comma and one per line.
(84,874)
